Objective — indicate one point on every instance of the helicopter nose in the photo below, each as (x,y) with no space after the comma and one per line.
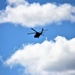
(35,36)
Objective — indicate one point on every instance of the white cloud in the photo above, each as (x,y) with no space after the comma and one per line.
(30,15)
(15,1)
(46,58)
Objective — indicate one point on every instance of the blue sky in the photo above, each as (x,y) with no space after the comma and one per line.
(13,32)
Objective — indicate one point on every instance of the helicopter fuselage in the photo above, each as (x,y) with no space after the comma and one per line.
(37,35)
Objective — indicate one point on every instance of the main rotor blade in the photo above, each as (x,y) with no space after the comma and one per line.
(30,33)
(33,30)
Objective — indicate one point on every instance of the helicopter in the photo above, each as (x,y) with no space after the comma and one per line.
(37,34)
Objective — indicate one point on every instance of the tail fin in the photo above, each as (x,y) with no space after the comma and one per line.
(42,30)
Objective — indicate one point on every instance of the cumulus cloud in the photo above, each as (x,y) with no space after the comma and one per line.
(15,2)
(35,14)
(46,58)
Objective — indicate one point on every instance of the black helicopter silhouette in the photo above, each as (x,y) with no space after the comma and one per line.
(37,34)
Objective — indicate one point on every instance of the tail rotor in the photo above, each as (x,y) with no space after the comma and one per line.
(42,32)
